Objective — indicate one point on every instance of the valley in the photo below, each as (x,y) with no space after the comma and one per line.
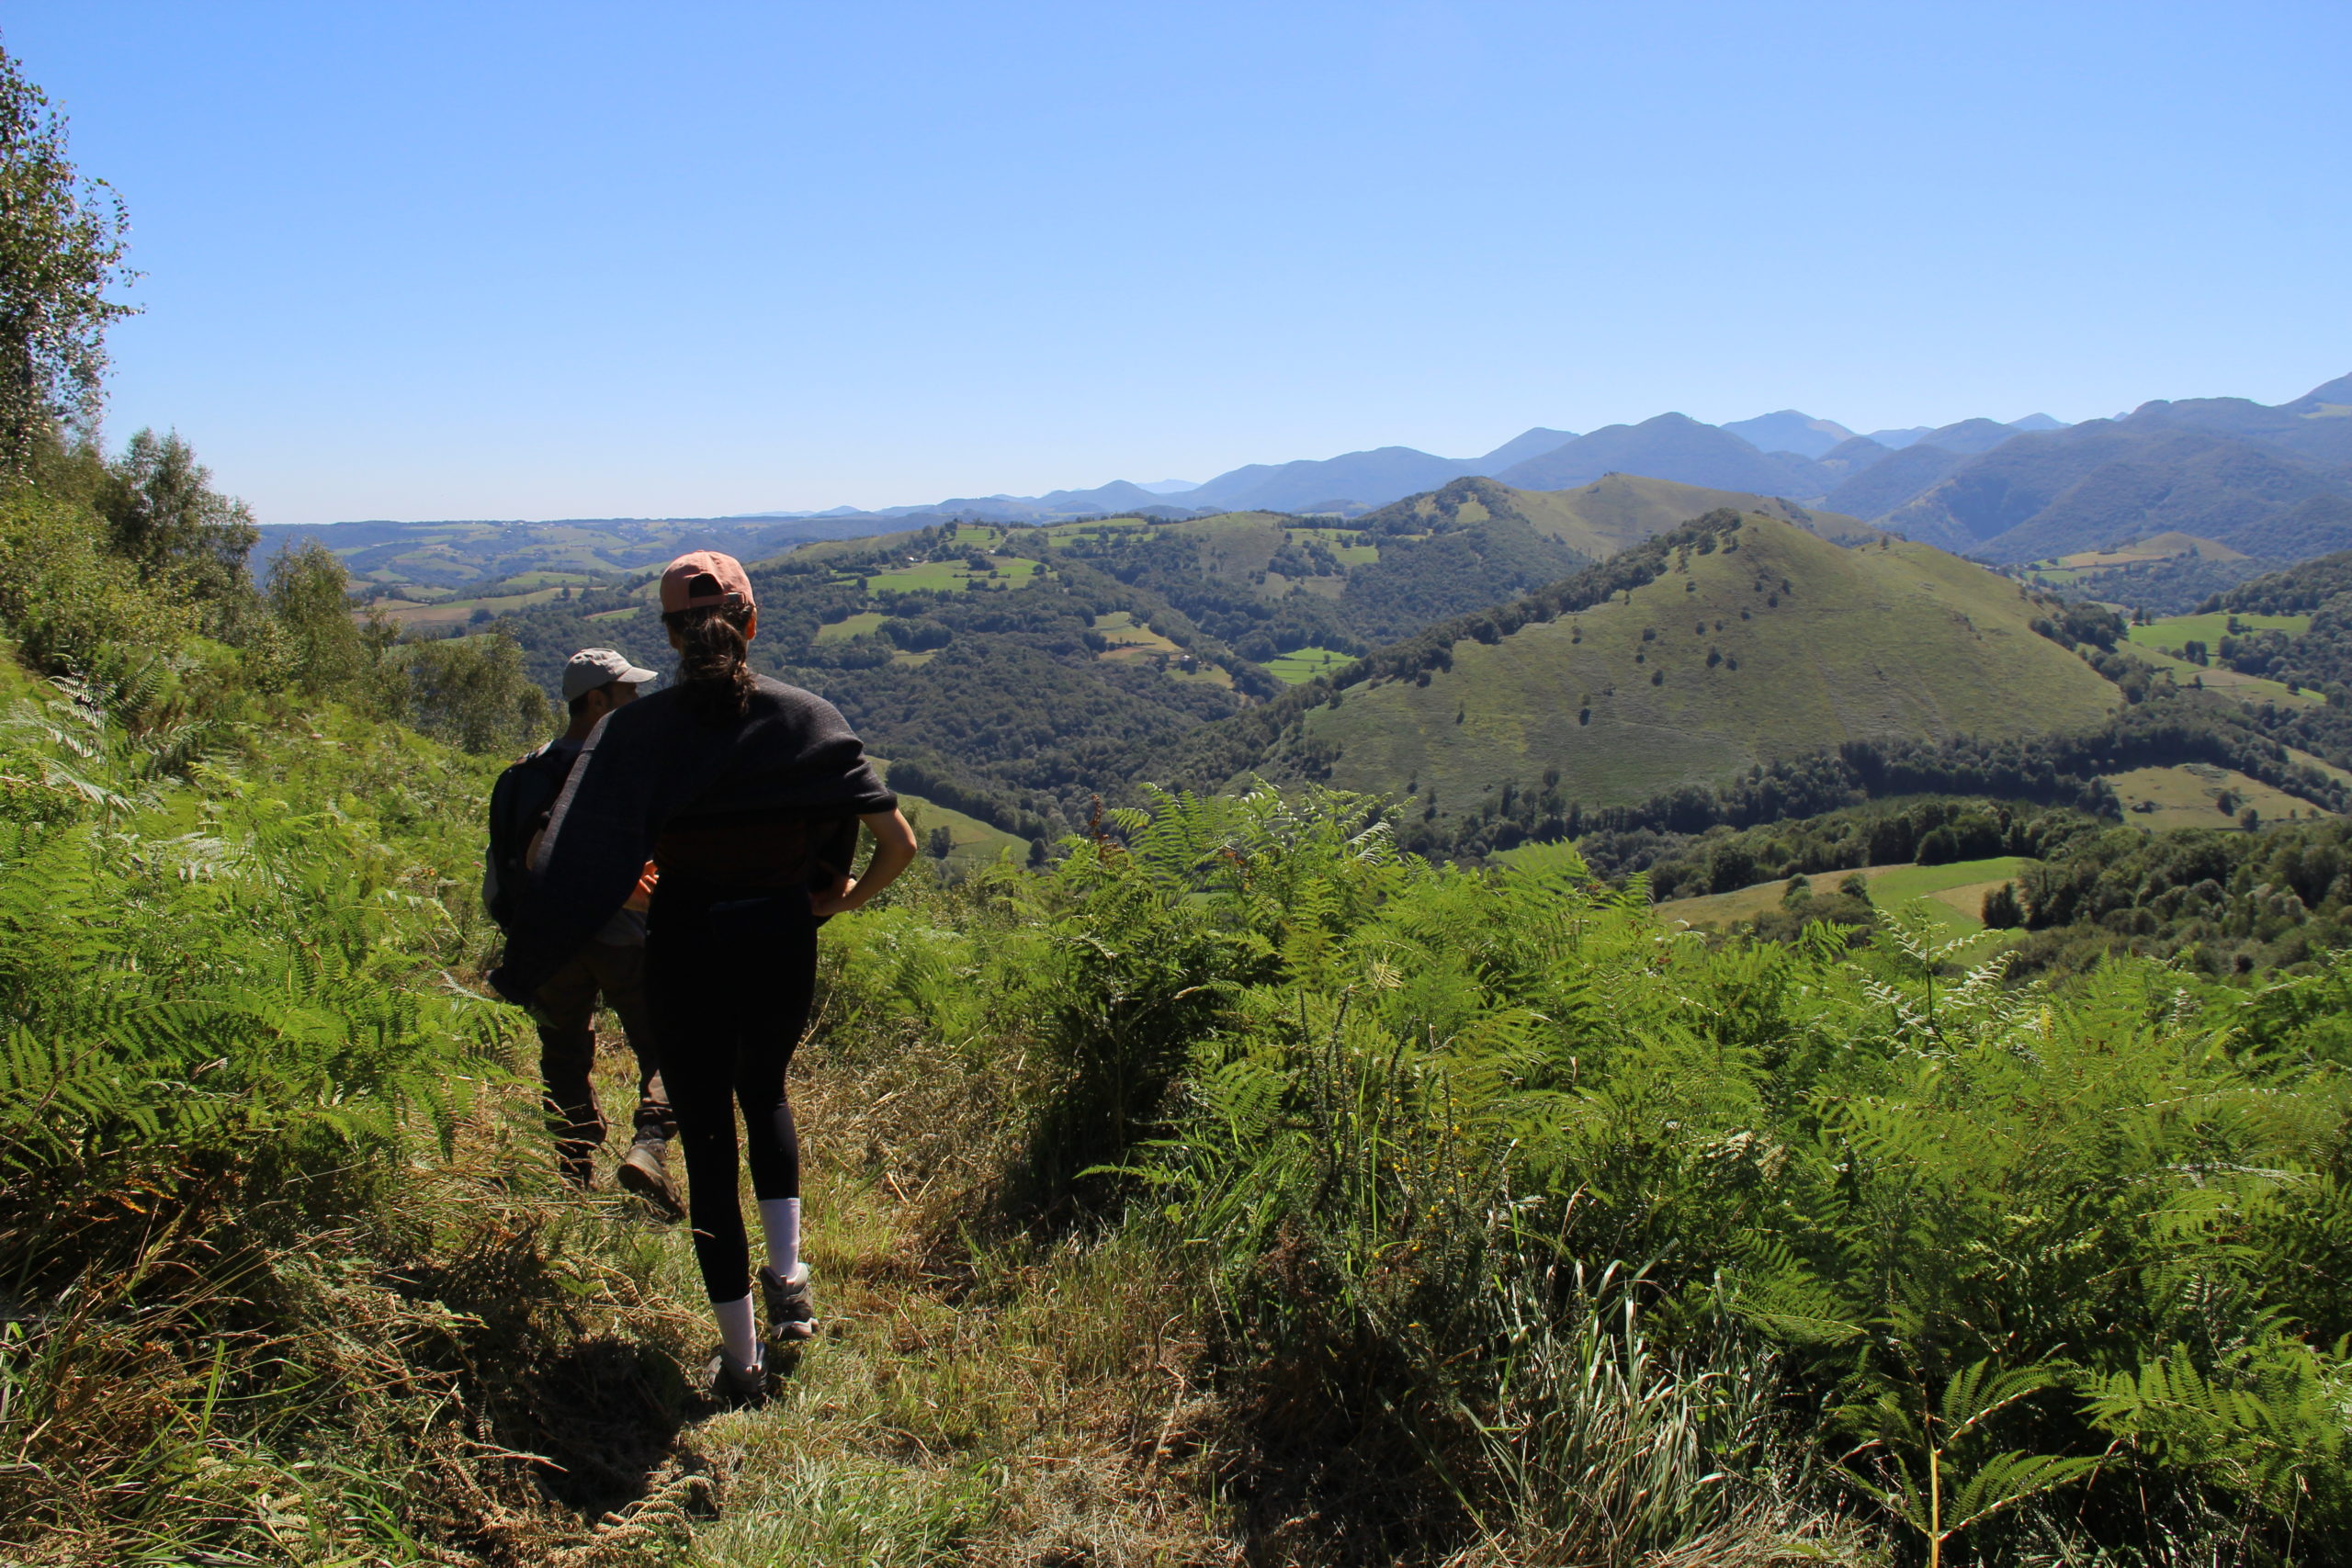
(1020,672)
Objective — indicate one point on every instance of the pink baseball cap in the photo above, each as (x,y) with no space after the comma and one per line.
(700,579)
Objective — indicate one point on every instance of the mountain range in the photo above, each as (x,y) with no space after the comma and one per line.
(2224,469)
(2269,482)
(1786,453)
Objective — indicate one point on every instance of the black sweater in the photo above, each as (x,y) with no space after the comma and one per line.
(654,764)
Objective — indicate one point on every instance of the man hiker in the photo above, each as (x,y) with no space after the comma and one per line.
(612,964)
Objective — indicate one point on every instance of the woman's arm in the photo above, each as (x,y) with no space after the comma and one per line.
(894,851)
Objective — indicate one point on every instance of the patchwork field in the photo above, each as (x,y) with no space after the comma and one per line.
(1237,548)
(1056,533)
(1131,643)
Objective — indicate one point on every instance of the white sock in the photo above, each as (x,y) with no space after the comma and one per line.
(780,1217)
(738,1332)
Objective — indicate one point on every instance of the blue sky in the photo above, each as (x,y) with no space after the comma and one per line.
(511,260)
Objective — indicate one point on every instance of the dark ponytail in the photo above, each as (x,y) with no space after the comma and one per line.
(714,672)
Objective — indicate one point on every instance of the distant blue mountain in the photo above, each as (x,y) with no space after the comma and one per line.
(1365,479)
(1789,431)
(1671,446)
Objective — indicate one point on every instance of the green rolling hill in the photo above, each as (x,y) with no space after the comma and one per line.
(1776,644)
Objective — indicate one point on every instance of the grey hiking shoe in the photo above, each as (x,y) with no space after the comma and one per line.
(641,1171)
(737,1388)
(792,1307)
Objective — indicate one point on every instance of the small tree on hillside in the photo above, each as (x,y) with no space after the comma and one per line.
(166,516)
(308,595)
(60,249)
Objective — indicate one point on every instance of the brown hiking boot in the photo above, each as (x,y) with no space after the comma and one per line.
(791,1306)
(641,1172)
(737,1388)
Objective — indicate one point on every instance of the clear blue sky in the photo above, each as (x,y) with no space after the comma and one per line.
(511,260)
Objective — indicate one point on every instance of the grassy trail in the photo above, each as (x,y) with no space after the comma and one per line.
(963,1403)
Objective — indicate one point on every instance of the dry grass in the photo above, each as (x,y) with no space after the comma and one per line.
(2187,796)
(468,1375)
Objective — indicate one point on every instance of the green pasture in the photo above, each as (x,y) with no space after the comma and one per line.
(1951,895)
(864,623)
(2173,632)
(977,844)
(1302,665)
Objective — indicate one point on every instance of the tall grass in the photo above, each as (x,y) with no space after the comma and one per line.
(1514,1217)
(277,1280)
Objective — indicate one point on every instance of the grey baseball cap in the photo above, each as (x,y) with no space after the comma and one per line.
(593,667)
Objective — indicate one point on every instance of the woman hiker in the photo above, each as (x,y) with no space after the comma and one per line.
(747,794)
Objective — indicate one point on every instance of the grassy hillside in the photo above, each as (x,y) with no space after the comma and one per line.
(1782,644)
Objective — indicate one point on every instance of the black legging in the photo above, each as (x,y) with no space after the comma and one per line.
(728,975)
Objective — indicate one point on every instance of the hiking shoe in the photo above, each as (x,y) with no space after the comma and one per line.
(792,1307)
(737,1389)
(641,1172)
